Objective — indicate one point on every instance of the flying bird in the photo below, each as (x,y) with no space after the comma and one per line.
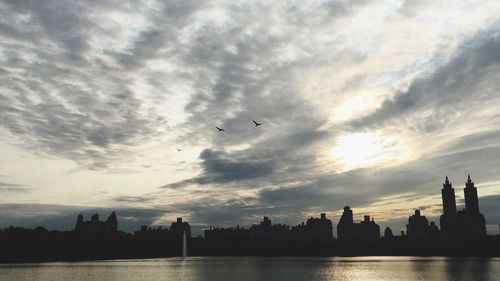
(256,123)
(179,149)
(220,129)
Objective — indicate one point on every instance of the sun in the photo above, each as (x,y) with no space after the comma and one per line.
(359,150)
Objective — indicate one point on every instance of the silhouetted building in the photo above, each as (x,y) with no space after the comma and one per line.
(448,195)
(264,238)
(388,233)
(163,240)
(418,228)
(95,225)
(365,231)
(467,224)
(368,230)
(345,226)
(180,227)
(314,236)
(315,229)
(434,233)
(262,231)
(266,230)
(471,200)
(474,223)
(450,225)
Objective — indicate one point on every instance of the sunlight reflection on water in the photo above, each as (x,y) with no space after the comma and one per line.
(259,268)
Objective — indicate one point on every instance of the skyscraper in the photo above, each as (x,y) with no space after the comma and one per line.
(448,195)
(471,200)
(449,219)
(474,223)
(346,223)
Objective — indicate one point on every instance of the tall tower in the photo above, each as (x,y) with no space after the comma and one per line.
(471,200)
(448,195)
(112,222)
(449,221)
(79,222)
(345,225)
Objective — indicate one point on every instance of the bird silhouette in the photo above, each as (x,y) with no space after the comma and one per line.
(256,123)
(179,149)
(220,129)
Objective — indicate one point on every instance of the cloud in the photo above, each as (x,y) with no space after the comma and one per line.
(131,199)
(218,168)
(12,188)
(62,93)
(467,81)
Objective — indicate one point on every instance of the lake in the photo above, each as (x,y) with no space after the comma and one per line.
(260,268)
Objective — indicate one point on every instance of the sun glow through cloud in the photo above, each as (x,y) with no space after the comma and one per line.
(358,150)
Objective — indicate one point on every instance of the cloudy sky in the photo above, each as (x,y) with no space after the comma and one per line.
(363,103)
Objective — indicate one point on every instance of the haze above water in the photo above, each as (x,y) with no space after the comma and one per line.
(259,268)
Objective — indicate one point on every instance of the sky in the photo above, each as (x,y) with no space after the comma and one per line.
(362,103)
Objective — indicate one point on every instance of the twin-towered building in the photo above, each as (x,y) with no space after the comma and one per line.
(466,224)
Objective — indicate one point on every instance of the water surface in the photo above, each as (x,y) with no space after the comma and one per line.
(259,268)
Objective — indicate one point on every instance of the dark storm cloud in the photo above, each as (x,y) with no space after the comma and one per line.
(464,82)
(63,217)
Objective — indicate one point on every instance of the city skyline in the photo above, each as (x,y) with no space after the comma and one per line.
(448,230)
(115,105)
(463,232)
